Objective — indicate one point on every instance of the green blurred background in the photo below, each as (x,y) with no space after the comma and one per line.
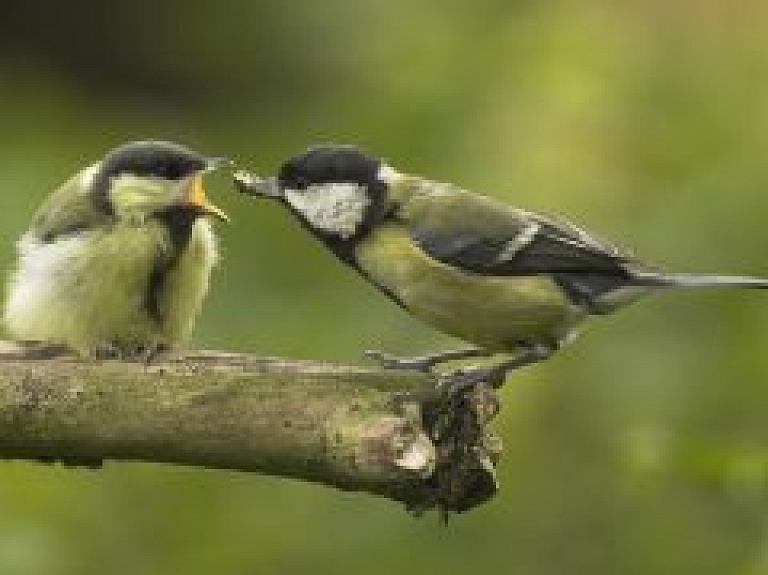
(640,449)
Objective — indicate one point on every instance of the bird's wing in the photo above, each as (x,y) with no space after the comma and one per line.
(485,236)
(67,211)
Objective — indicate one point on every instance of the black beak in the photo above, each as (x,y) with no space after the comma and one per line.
(252,185)
(216,163)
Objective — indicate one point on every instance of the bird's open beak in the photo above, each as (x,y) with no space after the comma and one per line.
(253,185)
(193,195)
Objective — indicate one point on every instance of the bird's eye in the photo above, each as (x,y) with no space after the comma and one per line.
(169,171)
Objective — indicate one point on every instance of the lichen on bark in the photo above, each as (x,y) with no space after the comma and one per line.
(388,433)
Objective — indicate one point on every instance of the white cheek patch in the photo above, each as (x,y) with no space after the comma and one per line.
(337,208)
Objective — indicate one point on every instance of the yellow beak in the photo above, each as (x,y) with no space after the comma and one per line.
(194,195)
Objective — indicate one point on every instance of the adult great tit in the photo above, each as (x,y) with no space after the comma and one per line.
(504,279)
(117,260)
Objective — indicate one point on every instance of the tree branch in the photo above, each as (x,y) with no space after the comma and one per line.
(383,432)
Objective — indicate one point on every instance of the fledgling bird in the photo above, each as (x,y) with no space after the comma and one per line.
(117,260)
(504,279)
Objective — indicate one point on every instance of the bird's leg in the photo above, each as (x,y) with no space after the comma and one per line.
(424,363)
(463,379)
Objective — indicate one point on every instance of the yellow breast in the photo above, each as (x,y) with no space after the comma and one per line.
(496,313)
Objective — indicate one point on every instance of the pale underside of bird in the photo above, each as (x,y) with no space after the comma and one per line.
(117,264)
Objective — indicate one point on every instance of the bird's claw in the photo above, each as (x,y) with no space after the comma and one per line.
(148,353)
(143,353)
(465,379)
(457,386)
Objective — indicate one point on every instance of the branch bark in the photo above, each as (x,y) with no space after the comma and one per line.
(383,432)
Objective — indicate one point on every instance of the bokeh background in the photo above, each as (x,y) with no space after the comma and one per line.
(640,449)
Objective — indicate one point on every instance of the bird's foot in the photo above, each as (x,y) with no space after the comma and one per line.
(460,385)
(423,363)
(144,353)
(148,353)
(464,379)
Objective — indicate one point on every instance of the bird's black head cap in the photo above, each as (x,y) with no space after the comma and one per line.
(149,158)
(329,164)
(164,160)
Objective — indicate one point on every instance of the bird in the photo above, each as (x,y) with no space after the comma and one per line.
(503,279)
(116,262)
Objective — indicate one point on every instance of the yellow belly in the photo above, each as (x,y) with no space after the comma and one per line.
(496,313)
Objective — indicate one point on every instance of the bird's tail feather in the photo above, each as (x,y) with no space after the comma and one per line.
(663,280)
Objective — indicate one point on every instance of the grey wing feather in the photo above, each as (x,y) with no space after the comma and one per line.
(585,267)
(537,247)
(67,211)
